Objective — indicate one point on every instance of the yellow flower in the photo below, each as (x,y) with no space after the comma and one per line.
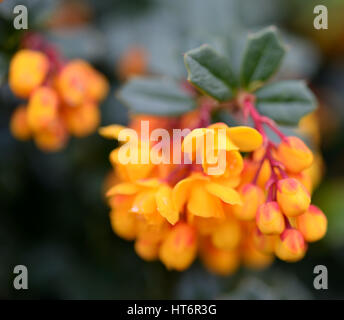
(152,200)
(204,196)
(60,101)
(217,141)
(135,149)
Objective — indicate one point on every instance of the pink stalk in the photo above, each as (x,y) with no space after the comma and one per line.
(249,109)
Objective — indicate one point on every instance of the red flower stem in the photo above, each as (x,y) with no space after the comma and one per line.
(260,166)
(273,126)
(287,223)
(283,173)
(35,41)
(247,102)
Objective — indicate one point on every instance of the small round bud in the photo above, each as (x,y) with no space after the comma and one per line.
(264,243)
(72,82)
(227,236)
(290,246)
(292,197)
(133,62)
(179,248)
(270,219)
(253,258)
(27,72)
(18,125)
(52,138)
(312,224)
(42,109)
(81,120)
(123,223)
(294,154)
(219,261)
(304,178)
(146,249)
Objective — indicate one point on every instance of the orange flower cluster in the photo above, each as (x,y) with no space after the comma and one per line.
(257,208)
(60,101)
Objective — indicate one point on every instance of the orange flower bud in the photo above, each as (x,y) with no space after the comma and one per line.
(253,258)
(252,197)
(294,154)
(264,243)
(98,86)
(305,178)
(227,236)
(312,224)
(42,109)
(292,197)
(290,246)
(270,219)
(133,62)
(52,138)
(123,223)
(205,226)
(27,72)
(152,233)
(82,120)
(219,261)
(19,126)
(146,249)
(179,248)
(72,82)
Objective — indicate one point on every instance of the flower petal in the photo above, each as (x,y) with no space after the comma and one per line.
(189,144)
(203,204)
(144,203)
(180,193)
(111,132)
(246,138)
(226,194)
(165,205)
(125,188)
(231,182)
(148,183)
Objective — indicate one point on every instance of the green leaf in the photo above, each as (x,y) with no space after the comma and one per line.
(286,102)
(262,58)
(210,72)
(156,95)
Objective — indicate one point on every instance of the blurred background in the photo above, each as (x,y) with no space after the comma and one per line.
(53,217)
